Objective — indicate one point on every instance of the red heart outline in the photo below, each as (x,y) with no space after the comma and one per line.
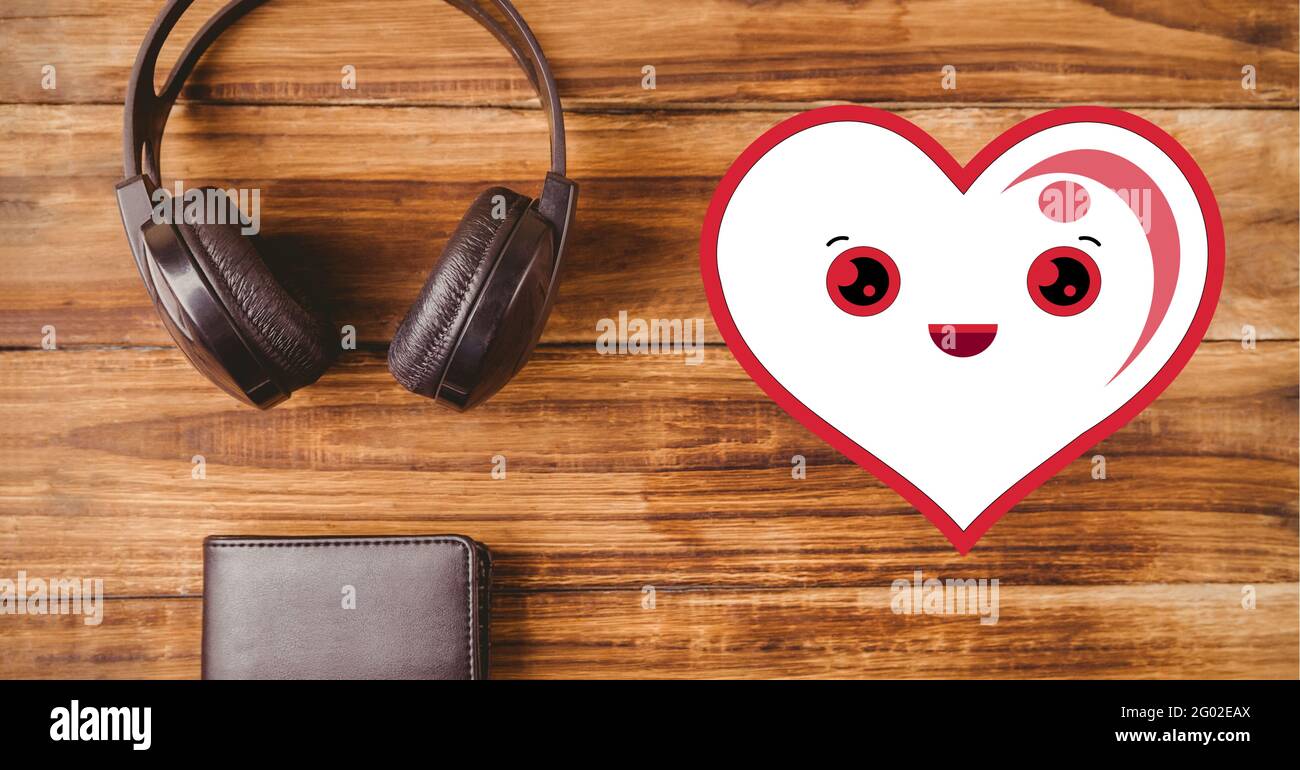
(962,177)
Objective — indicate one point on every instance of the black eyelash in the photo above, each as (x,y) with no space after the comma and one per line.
(1089,238)
(837,238)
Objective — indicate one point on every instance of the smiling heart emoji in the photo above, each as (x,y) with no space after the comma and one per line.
(963,332)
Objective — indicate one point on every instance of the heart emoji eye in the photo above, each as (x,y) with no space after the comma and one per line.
(862,281)
(1064,281)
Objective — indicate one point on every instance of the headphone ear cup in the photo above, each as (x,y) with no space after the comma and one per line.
(296,342)
(425,341)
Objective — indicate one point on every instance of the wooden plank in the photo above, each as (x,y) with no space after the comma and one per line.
(1106,631)
(713,51)
(651,471)
(361,200)
(1158,631)
(138,639)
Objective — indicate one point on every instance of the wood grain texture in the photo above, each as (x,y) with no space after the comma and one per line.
(712,52)
(1156,631)
(651,471)
(361,201)
(626,471)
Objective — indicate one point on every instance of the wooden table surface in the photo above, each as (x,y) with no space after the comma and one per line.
(625,471)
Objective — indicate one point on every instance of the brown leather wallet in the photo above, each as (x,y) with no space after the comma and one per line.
(406,607)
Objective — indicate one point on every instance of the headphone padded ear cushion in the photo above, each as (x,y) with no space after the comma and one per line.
(296,341)
(425,341)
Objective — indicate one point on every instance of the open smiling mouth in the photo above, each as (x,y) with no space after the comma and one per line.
(963,340)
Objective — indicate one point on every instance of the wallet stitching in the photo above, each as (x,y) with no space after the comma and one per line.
(469,573)
(484,613)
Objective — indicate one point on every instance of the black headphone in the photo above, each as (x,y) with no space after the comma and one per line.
(477,319)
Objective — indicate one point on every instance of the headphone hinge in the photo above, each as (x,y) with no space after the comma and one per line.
(557,205)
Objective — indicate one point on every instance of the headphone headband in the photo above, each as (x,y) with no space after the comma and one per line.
(147,111)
